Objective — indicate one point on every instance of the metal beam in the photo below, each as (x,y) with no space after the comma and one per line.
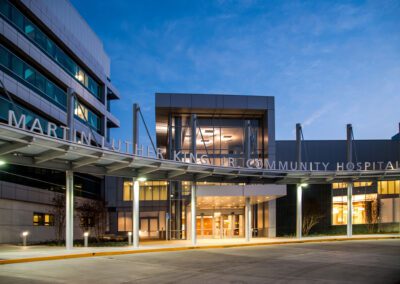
(52,154)
(235,175)
(176,173)
(201,176)
(11,147)
(148,170)
(118,166)
(86,161)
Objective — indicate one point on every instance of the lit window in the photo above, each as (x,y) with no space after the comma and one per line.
(148,190)
(389,187)
(127,194)
(43,219)
(360,203)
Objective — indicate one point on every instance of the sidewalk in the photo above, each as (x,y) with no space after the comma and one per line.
(17,254)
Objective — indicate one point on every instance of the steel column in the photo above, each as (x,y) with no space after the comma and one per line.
(135,213)
(349,134)
(298,145)
(247,221)
(349,209)
(299,215)
(193,213)
(135,123)
(193,126)
(69,209)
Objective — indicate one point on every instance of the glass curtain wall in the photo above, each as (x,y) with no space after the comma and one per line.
(376,206)
(14,16)
(219,139)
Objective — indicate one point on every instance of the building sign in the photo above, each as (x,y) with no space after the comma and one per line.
(51,129)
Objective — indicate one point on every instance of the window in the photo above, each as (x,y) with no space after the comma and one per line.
(362,204)
(148,191)
(43,219)
(29,76)
(5,106)
(11,14)
(85,114)
(124,221)
(389,187)
(338,185)
(127,193)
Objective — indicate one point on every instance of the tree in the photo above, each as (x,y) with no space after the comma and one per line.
(59,216)
(309,221)
(311,216)
(100,221)
(372,209)
(92,215)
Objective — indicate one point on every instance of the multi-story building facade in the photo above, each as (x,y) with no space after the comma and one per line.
(46,56)
(233,132)
(54,69)
(220,130)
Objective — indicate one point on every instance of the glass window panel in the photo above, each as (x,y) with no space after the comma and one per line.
(141,194)
(4,57)
(148,193)
(156,193)
(17,18)
(121,222)
(127,191)
(5,9)
(390,189)
(163,193)
(17,66)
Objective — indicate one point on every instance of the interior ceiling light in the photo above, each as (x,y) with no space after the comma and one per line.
(227,137)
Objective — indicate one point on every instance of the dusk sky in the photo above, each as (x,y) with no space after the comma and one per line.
(326,64)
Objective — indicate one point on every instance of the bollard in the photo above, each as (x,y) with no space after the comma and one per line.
(24,237)
(129,238)
(86,239)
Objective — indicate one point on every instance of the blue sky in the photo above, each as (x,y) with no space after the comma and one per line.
(327,63)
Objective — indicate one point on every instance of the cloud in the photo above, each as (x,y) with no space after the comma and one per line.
(317,114)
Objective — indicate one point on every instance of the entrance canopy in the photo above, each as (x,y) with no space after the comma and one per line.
(26,148)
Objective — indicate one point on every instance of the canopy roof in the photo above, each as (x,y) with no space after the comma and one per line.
(35,150)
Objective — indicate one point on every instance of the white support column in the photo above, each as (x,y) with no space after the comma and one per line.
(349,209)
(202,225)
(299,217)
(69,209)
(135,213)
(247,222)
(193,213)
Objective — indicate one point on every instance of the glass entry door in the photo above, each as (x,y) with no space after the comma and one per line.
(220,226)
(149,227)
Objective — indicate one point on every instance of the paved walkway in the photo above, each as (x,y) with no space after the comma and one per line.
(15,254)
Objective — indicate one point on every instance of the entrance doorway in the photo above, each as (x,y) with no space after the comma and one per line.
(149,227)
(220,226)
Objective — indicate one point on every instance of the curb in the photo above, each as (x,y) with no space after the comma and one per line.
(172,249)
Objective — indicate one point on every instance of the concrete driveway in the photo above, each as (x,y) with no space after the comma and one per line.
(352,261)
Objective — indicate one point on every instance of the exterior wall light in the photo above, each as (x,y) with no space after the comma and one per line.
(2,162)
(24,236)
(86,239)
(142,179)
(304,184)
